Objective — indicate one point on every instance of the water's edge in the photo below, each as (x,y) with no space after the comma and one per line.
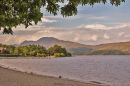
(34,73)
(111,70)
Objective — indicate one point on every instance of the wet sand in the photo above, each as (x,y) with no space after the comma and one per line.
(15,78)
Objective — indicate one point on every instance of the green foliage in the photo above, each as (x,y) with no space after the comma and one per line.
(58,51)
(59,55)
(31,50)
(35,50)
(27,12)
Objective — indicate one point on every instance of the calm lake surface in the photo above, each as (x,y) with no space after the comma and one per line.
(111,70)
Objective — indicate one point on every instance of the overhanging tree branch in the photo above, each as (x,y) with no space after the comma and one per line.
(17,12)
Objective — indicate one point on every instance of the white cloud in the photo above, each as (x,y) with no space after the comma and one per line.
(46,20)
(76,39)
(94,37)
(121,33)
(106,36)
(105,27)
(81,35)
(95,26)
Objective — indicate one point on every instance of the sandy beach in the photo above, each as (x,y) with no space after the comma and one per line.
(15,78)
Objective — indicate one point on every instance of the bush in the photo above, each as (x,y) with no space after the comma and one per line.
(59,55)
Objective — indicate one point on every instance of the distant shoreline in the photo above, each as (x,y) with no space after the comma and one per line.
(8,55)
(49,57)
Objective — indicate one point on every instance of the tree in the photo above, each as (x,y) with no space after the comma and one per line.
(31,50)
(58,51)
(27,12)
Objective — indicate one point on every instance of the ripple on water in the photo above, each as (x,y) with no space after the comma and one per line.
(113,70)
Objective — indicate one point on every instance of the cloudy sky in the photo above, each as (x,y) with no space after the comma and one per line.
(92,25)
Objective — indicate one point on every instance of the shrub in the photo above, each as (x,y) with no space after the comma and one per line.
(59,55)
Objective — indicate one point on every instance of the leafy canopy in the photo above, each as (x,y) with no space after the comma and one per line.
(27,12)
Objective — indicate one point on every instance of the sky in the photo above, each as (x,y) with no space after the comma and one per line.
(91,26)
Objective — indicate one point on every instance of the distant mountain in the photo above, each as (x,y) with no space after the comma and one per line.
(73,47)
(81,49)
(122,47)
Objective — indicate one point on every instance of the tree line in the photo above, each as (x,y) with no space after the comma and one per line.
(35,51)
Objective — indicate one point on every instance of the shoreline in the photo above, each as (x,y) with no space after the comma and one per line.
(18,78)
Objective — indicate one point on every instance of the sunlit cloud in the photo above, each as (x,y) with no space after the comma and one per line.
(47,20)
(93,25)
(84,35)
(105,27)
(106,36)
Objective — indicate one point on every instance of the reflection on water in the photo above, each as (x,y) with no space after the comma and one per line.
(113,70)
